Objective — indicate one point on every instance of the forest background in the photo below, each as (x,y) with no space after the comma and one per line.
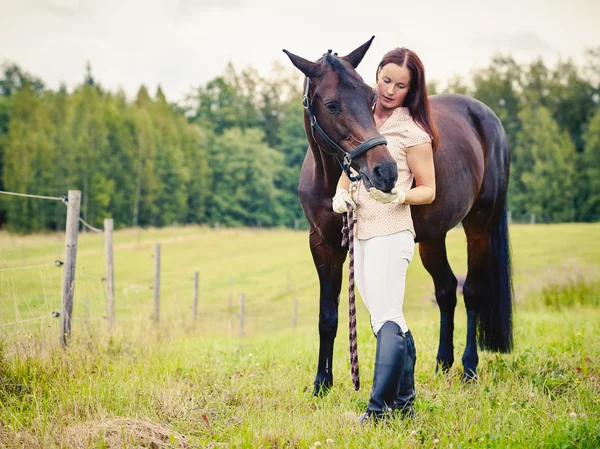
(229,154)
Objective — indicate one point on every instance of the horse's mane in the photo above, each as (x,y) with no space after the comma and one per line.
(345,77)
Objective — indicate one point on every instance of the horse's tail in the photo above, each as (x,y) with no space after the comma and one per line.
(495,331)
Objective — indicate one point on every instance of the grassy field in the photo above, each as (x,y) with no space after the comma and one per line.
(181,383)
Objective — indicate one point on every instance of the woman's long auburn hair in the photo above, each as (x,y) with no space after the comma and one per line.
(416,100)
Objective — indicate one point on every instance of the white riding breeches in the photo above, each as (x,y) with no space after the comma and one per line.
(380,265)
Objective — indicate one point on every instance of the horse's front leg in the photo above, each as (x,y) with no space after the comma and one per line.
(329,261)
(435,260)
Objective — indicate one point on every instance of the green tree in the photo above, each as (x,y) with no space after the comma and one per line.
(61,115)
(28,162)
(243,180)
(194,141)
(293,146)
(545,184)
(535,84)
(571,101)
(14,79)
(90,146)
(4,123)
(590,175)
(121,157)
(218,106)
(146,182)
(456,85)
(172,173)
(498,87)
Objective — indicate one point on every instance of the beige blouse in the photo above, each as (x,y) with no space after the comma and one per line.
(375,219)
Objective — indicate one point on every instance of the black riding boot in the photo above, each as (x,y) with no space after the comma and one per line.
(389,364)
(405,398)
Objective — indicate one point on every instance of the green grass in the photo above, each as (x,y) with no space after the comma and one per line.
(186,384)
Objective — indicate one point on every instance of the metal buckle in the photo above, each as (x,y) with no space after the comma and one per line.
(305,102)
(347,160)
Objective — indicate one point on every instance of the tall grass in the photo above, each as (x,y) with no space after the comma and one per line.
(184,384)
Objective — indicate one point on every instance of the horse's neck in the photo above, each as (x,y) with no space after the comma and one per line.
(327,170)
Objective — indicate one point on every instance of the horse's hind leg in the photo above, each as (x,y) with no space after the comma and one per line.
(329,262)
(435,260)
(487,289)
(478,248)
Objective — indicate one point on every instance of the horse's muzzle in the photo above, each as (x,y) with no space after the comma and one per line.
(383,176)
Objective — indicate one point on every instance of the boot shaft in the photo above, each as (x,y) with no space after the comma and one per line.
(406,395)
(390,360)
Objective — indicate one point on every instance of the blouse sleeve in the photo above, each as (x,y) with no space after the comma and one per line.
(416,136)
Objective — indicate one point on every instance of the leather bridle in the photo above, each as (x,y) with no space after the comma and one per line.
(343,157)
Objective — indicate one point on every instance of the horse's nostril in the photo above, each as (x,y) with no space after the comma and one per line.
(377,173)
(385,176)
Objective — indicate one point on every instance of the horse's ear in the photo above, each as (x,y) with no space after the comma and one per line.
(310,69)
(357,55)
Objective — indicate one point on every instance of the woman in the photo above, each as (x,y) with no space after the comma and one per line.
(384,242)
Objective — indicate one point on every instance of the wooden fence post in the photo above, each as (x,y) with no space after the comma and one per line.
(230,294)
(68,286)
(295,316)
(156,282)
(241,315)
(195,307)
(110,272)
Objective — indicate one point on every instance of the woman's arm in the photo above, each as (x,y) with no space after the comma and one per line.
(420,162)
(344,182)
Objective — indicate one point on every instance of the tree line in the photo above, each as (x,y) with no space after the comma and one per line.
(230,153)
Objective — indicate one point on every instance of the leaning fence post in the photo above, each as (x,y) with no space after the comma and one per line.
(195,308)
(156,282)
(241,315)
(110,272)
(68,286)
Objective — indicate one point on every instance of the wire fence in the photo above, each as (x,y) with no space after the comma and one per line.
(231,306)
(240,302)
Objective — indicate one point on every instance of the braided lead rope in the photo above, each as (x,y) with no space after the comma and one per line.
(349,221)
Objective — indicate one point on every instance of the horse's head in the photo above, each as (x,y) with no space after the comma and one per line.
(338,116)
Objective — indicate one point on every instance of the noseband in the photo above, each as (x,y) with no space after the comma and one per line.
(343,157)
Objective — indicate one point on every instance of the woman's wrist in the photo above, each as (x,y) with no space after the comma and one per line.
(420,195)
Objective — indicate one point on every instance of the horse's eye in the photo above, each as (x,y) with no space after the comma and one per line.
(332,107)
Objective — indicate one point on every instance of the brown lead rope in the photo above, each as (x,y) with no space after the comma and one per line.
(349,220)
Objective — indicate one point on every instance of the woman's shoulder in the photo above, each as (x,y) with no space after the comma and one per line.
(415,135)
(405,127)
(415,130)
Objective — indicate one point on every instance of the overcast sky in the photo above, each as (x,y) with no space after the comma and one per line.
(183,43)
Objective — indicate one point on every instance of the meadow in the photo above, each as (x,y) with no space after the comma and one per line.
(185,383)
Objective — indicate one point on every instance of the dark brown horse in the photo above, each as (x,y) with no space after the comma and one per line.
(471,167)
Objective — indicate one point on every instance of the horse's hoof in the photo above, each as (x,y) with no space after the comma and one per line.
(470,375)
(442,366)
(321,388)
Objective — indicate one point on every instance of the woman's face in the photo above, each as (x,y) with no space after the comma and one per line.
(393,85)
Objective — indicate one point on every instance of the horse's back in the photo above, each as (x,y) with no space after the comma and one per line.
(471,162)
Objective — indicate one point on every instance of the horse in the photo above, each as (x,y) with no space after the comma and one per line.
(472,171)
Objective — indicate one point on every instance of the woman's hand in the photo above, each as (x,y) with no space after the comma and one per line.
(395,196)
(342,201)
